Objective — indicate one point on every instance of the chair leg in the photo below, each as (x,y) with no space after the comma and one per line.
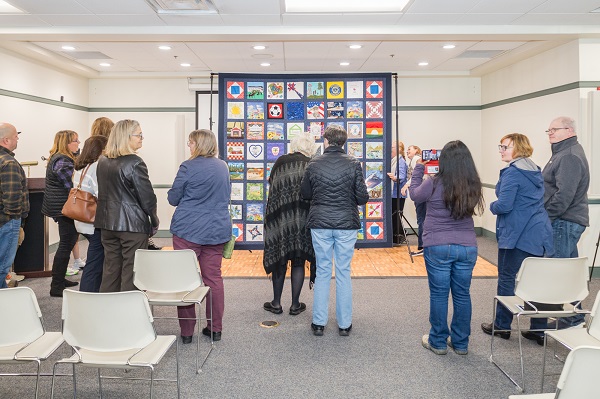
(544,362)
(151,382)
(522,388)
(99,383)
(37,380)
(52,386)
(177,365)
(74,383)
(198,321)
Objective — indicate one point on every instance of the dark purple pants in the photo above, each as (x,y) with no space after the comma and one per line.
(209,257)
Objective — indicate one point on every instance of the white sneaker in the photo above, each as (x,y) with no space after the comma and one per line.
(79,263)
(71,271)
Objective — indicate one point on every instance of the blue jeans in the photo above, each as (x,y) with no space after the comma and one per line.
(338,244)
(92,274)
(9,241)
(509,263)
(421,211)
(450,268)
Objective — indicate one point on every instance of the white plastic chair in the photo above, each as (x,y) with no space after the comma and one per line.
(112,330)
(574,337)
(579,377)
(22,335)
(172,278)
(543,280)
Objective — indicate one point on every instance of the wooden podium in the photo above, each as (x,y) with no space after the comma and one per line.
(32,256)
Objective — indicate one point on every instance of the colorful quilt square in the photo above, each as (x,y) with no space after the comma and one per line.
(355,130)
(254,212)
(236,170)
(235,130)
(255,191)
(275,90)
(355,149)
(315,89)
(294,129)
(295,90)
(355,110)
(374,89)
(374,150)
(335,90)
(255,151)
(255,110)
(235,90)
(374,210)
(275,131)
(255,171)
(254,232)
(374,179)
(354,89)
(235,150)
(255,91)
(269,168)
(315,110)
(237,191)
(256,131)
(275,110)
(235,210)
(237,229)
(274,151)
(335,109)
(316,129)
(375,231)
(235,110)
(360,235)
(374,129)
(374,109)
(295,110)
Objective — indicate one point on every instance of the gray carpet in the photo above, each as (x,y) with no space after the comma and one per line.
(383,356)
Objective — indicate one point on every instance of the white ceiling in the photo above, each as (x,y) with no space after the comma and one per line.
(128,33)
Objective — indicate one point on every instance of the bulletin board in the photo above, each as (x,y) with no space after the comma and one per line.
(260,114)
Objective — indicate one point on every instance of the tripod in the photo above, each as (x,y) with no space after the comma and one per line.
(401,233)
(595,253)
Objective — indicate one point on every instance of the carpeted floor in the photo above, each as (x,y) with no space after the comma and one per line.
(382,358)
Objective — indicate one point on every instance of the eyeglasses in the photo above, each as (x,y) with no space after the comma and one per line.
(554,129)
(504,147)
(76,141)
(141,136)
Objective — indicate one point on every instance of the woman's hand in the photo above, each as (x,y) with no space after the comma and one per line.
(391,176)
(404,189)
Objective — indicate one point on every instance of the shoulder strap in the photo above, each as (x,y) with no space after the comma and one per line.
(82,175)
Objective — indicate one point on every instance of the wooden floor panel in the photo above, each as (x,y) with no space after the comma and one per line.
(367,262)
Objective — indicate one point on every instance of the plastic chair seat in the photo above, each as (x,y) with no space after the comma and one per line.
(516,306)
(573,337)
(182,298)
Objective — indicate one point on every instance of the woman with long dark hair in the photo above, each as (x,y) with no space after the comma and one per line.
(59,181)
(86,165)
(450,246)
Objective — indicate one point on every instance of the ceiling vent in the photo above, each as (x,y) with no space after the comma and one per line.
(86,55)
(183,6)
(480,53)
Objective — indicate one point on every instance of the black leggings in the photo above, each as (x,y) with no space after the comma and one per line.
(68,237)
(297,275)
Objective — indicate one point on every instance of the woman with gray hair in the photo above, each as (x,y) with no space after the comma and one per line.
(286,237)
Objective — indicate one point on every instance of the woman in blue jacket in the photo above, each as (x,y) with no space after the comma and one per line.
(523,228)
(201,222)
(398,175)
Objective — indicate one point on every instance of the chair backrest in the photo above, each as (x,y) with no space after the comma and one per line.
(21,316)
(579,377)
(594,325)
(166,271)
(110,321)
(553,280)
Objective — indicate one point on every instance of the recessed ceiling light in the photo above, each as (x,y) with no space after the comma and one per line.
(185,64)
(424,63)
(338,6)
(355,46)
(449,46)
(68,48)
(344,63)
(164,47)
(265,64)
(104,64)
(259,47)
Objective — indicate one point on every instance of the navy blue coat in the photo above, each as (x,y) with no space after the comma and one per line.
(522,221)
(201,194)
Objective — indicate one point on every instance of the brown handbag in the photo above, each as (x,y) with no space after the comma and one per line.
(80,205)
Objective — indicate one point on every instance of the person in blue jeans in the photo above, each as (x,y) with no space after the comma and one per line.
(14,199)
(566,182)
(523,228)
(450,248)
(335,185)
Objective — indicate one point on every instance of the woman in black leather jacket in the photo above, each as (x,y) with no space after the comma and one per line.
(126,210)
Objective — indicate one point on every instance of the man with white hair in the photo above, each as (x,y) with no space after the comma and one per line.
(14,199)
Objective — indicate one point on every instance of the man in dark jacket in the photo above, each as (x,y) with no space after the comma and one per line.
(335,185)
(566,182)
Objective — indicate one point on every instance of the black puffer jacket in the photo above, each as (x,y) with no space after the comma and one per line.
(126,200)
(335,185)
(55,191)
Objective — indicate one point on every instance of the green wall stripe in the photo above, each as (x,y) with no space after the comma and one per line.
(144,109)
(406,108)
(29,97)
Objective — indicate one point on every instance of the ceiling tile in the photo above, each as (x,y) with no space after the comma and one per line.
(441,6)
(50,7)
(429,19)
(496,6)
(567,7)
(558,20)
(131,20)
(244,7)
(10,21)
(116,7)
(68,20)
(487,19)
(251,20)
(192,20)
